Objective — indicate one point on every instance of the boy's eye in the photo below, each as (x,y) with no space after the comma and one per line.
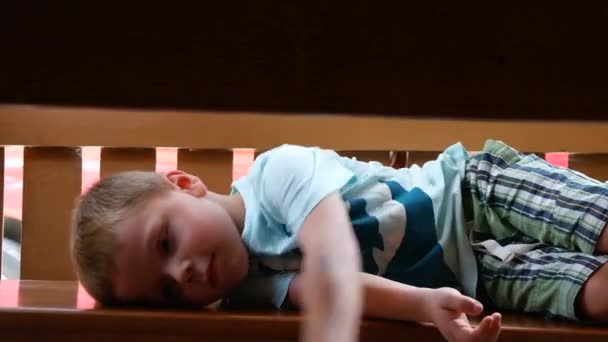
(163,241)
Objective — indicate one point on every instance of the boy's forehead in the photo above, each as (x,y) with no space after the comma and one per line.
(140,215)
(134,225)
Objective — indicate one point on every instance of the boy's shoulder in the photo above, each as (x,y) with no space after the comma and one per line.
(288,148)
(286,156)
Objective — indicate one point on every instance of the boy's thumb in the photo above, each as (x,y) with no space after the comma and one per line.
(464,304)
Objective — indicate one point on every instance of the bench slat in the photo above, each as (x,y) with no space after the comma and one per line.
(593,165)
(213,167)
(48,310)
(410,57)
(115,160)
(32,125)
(51,184)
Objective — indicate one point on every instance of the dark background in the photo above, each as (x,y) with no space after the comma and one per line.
(528,59)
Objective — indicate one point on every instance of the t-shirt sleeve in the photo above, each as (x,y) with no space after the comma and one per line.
(296,179)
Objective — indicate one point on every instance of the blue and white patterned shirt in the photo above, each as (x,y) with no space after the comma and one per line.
(409,222)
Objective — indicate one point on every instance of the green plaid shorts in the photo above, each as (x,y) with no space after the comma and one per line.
(521,200)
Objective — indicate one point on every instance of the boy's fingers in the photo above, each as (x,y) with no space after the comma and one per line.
(482,331)
(497,319)
(488,329)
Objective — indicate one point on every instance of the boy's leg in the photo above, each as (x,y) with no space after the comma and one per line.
(592,301)
(602,242)
(514,193)
(548,280)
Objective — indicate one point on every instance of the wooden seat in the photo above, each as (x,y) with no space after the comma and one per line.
(62,311)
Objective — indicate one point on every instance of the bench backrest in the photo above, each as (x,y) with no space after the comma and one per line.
(205,141)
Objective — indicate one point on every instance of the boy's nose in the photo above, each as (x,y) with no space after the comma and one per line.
(182,271)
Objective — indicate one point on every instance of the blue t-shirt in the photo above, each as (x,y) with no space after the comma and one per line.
(409,222)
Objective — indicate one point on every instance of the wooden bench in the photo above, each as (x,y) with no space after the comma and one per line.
(48,303)
(61,311)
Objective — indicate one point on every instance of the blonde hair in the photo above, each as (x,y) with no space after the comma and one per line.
(94,217)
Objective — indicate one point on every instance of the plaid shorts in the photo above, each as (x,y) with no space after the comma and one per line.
(521,200)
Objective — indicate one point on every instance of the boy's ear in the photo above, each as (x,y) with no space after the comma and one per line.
(186,182)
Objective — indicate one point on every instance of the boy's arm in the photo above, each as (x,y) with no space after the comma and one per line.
(332,301)
(445,307)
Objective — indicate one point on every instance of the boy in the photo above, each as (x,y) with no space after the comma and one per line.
(298,228)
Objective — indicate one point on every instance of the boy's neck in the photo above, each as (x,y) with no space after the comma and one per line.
(234,206)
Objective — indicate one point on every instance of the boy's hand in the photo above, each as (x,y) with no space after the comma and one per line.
(445,307)
(449,308)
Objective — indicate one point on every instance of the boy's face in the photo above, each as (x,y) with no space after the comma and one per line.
(177,249)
